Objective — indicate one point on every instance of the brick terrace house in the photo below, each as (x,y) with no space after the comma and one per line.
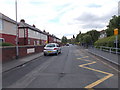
(7,29)
(30,35)
(27,34)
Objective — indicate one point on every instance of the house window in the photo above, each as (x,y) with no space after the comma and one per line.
(1,24)
(2,40)
(38,42)
(34,42)
(28,41)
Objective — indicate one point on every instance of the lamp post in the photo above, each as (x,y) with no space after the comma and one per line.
(17,51)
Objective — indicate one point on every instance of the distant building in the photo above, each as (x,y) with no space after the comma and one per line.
(102,34)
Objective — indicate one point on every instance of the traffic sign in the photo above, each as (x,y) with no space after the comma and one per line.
(116,31)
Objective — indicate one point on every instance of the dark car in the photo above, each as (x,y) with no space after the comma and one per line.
(67,44)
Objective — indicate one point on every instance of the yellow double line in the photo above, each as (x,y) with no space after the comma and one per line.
(98,81)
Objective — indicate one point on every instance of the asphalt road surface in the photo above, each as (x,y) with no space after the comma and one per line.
(73,68)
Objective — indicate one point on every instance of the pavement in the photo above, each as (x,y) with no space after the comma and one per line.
(18,62)
(111,57)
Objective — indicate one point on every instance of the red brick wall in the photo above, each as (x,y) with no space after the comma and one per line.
(9,53)
(9,38)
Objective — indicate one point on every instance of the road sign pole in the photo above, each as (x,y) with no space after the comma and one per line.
(116,41)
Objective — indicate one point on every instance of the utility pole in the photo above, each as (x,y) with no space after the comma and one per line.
(17,51)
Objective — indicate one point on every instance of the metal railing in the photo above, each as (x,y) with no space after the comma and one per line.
(109,49)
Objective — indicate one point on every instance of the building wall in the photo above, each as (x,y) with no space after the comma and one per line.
(9,38)
(9,28)
(55,40)
(1,25)
(43,36)
(8,31)
(50,39)
(58,40)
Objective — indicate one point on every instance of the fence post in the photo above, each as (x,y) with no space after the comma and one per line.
(101,48)
(110,49)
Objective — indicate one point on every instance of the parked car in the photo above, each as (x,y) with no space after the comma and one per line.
(52,48)
(67,44)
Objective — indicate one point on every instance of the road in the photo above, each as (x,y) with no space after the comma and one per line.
(73,68)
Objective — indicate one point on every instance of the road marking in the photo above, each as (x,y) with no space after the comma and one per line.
(102,62)
(83,57)
(98,81)
(86,64)
(106,64)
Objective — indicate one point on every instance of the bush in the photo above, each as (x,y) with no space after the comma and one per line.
(6,44)
(108,41)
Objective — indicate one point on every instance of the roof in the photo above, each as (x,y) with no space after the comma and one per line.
(2,16)
(25,25)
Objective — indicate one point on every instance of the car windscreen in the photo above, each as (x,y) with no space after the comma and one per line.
(50,45)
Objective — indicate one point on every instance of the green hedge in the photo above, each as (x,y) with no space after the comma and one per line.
(108,41)
(6,44)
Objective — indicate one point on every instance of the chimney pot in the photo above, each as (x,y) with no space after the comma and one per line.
(22,20)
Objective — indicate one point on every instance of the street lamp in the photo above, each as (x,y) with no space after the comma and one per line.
(17,50)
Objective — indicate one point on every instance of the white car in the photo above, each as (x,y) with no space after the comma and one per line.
(52,48)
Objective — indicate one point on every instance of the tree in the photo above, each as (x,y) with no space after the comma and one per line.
(87,39)
(94,35)
(73,36)
(64,40)
(77,37)
(113,23)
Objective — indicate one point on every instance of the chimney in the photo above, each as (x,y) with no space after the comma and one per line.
(22,20)
(33,25)
(44,31)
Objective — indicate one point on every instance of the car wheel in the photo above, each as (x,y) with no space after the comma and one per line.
(45,54)
(56,53)
(60,52)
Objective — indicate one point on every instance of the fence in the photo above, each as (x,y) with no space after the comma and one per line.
(109,49)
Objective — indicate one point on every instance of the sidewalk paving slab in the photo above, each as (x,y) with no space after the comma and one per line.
(113,58)
(17,62)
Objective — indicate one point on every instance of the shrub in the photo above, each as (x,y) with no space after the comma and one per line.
(6,44)
(108,41)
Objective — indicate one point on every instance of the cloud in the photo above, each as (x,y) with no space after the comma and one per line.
(90,20)
(62,17)
(94,6)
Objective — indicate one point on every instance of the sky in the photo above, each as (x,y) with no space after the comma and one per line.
(62,17)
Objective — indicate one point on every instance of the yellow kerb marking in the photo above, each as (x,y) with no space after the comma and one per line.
(90,86)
